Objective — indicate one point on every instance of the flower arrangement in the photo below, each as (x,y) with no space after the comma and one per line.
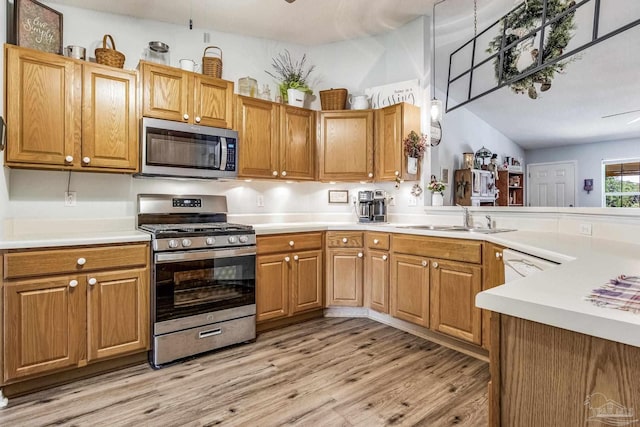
(415,145)
(292,74)
(436,186)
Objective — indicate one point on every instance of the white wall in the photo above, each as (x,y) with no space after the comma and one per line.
(354,64)
(589,158)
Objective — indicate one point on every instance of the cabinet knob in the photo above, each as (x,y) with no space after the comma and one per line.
(274,173)
(68,159)
(186,116)
(384,257)
(376,241)
(397,173)
(198,119)
(435,265)
(498,255)
(291,243)
(93,281)
(73,283)
(370,175)
(86,160)
(284,173)
(345,240)
(425,263)
(287,259)
(81,261)
(296,257)
(360,255)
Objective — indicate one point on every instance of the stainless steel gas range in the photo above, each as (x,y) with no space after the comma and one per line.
(203,279)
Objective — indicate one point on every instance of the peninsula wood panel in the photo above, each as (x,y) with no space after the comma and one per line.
(437,247)
(109,118)
(376,280)
(258,132)
(346,145)
(297,143)
(165,92)
(393,124)
(288,242)
(59,261)
(454,287)
(213,101)
(41,118)
(117,313)
(551,376)
(409,288)
(41,331)
(492,276)
(307,281)
(345,274)
(272,287)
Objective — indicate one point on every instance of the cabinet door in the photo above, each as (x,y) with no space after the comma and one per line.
(43,127)
(389,151)
(377,281)
(297,143)
(453,300)
(109,119)
(272,286)
(306,281)
(165,93)
(258,133)
(346,146)
(213,102)
(409,289)
(492,275)
(117,313)
(345,270)
(43,325)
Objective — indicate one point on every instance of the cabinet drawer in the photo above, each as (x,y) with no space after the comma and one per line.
(62,261)
(289,242)
(438,247)
(345,239)
(375,240)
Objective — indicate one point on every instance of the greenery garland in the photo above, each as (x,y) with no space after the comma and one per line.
(528,17)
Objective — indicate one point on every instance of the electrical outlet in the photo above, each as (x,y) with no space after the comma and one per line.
(585,229)
(392,201)
(354,199)
(413,201)
(70,198)
(260,201)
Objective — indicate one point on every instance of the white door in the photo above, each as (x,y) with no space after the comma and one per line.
(552,184)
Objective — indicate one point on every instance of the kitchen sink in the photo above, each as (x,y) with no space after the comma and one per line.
(457,228)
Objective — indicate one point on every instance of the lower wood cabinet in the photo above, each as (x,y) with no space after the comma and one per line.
(409,288)
(345,277)
(377,281)
(61,321)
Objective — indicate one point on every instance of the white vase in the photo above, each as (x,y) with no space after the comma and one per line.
(437,199)
(295,97)
(412,165)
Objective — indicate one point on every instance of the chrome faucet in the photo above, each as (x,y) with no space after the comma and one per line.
(489,222)
(466,217)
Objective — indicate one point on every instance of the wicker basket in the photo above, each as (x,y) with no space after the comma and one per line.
(109,56)
(333,99)
(212,65)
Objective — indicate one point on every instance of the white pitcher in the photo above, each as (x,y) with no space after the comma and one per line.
(359,102)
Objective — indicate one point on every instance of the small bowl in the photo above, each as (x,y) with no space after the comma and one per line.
(159,47)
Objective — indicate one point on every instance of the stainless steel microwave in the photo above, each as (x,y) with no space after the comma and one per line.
(175,149)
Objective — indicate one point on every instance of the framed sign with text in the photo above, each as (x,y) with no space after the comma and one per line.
(32,24)
(383,96)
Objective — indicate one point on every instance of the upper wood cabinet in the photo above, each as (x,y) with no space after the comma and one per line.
(173,94)
(345,148)
(393,124)
(278,141)
(69,114)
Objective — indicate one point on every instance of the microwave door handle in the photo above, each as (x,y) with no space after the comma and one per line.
(223,153)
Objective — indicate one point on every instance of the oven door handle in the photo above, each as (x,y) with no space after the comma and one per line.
(163,258)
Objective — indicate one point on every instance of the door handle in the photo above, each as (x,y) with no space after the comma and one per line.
(211,333)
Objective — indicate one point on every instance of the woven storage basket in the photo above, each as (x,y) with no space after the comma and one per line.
(333,99)
(109,56)
(212,65)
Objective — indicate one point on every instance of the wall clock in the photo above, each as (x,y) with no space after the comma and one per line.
(436,133)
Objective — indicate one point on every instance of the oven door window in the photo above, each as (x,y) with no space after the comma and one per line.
(186,288)
(183,149)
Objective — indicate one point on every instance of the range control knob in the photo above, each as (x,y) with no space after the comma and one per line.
(210,240)
(173,243)
(244,239)
(186,243)
(233,239)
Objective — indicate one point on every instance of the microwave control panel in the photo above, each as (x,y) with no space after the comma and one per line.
(231,155)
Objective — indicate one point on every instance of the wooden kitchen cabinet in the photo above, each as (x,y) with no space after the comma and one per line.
(278,141)
(377,268)
(345,148)
(68,114)
(60,315)
(173,94)
(454,286)
(493,275)
(288,275)
(345,268)
(393,125)
(511,188)
(409,288)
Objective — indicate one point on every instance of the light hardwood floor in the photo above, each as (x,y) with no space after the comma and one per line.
(325,372)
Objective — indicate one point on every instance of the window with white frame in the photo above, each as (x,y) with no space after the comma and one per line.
(621,183)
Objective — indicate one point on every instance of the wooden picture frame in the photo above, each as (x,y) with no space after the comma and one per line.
(34,25)
(338,196)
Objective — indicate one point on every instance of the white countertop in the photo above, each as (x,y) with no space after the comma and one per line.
(68,238)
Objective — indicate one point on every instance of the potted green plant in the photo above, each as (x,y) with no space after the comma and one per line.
(293,76)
